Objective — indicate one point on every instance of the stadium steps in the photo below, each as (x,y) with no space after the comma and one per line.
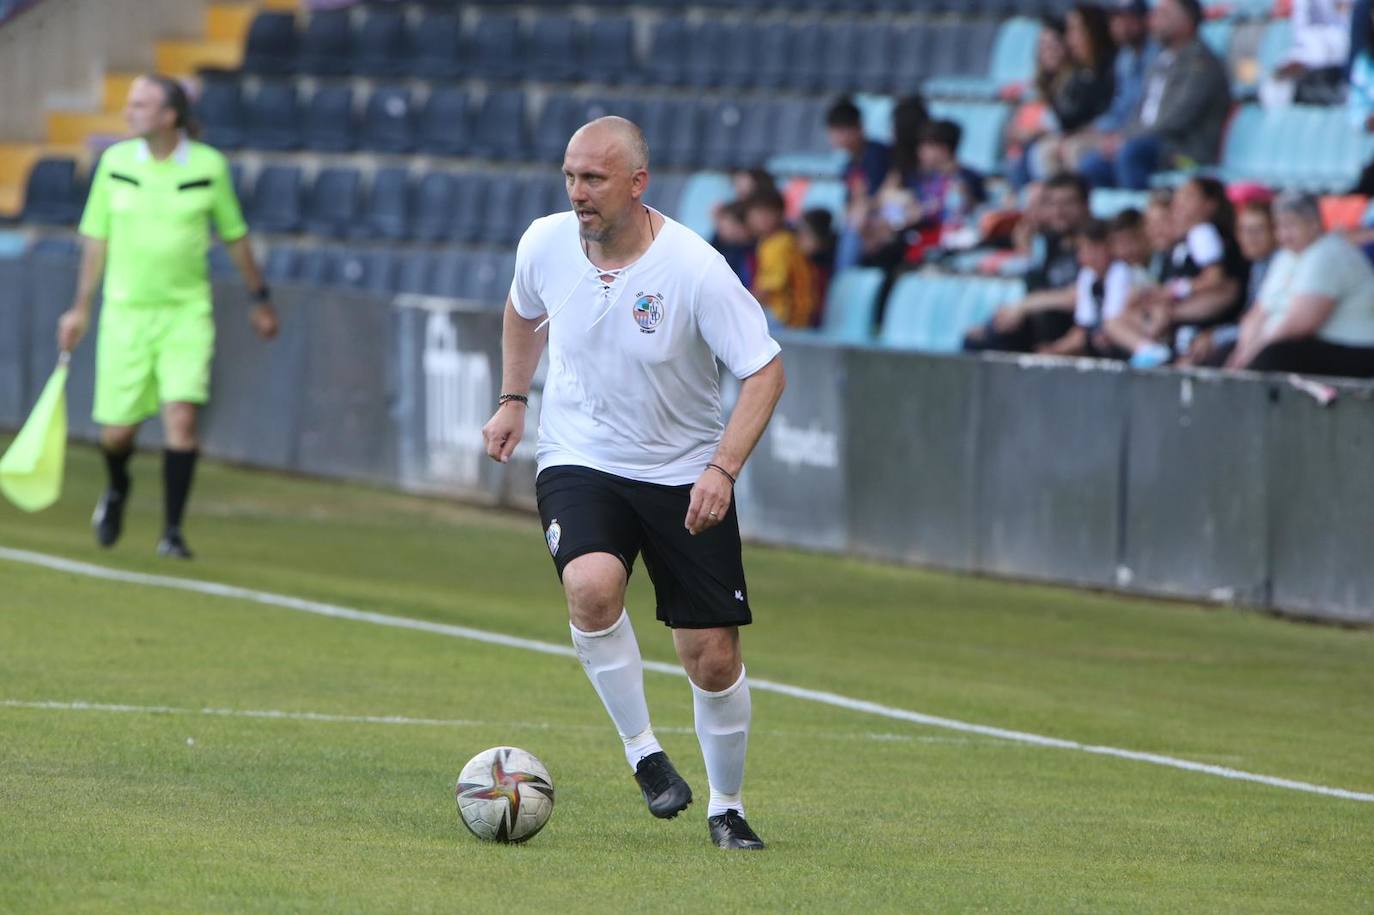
(178,57)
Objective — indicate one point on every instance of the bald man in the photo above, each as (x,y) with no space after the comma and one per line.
(633,458)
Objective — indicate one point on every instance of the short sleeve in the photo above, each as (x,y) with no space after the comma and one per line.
(225,204)
(731,320)
(95,220)
(1274,291)
(1120,281)
(1323,270)
(1205,245)
(1085,308)
(524,288)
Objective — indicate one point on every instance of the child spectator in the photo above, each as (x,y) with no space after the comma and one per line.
(816,236)
(1258,241)
(784,282)
(1111,257)
(732,239)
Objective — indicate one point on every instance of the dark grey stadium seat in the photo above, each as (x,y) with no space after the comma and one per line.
(488,278)
(739,63)
(443,123)
(436,47)
(329,122)
(449,274)
(332,207)
(667,61)
(273,118)
(312,267)
(808,58)
(842,53)
(220,112)
(552,48)
(276,200)
(469,214)
(911,48)
(282,261)
(605,52)
(558,118)
(774,56)
(436,203)
(495,48)
(327,44)
(386,213)
(706,46)
(272,45)
(414,272)
(498,127)
(380,48)
(500,227)
(389,121)
(723,128)
(877,62)
(758,136)
(52,194)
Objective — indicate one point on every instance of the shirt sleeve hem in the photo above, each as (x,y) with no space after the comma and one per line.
(523,311)
(754,366)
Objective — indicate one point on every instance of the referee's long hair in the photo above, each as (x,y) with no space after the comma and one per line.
(179,101)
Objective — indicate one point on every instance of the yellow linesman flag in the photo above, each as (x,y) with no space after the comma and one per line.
(31,470)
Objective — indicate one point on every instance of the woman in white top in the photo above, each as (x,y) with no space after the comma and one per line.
(1315,312)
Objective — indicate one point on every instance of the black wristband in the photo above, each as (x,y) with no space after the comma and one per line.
(262,295)
(507,398)
(724,471)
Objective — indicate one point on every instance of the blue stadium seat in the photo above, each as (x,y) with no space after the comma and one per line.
(807,72)
(220,112)
(495,48)
(1107,202)
(273,118)
(498,127)
(327,44)
(706,46)
(773,56)
(333,203)
(722,133)
(329,122)
(877,59)
(276,200)
(983,124)
(1278,38)
(597,61)
(386,213)
(470,207)
(558,118)
(435,202)
(52,194)
(312,267)
(1012,61)
(436,44)
(666,63)
(414,274)
(389,121)
(282,261)
(381,46)
(922,313)
(825,194)
(739,63)
(703,193)
(851,304)
(443,123)
(1217,35)
(501,225)
(272,45)
(552,46)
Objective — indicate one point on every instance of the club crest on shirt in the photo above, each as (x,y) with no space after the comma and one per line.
(553,535)
(648,311)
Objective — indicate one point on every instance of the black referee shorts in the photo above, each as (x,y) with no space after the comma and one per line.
(698,581)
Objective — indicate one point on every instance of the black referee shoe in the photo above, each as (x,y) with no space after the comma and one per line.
(666,793)
(108,519)
(172,545)
(729,830)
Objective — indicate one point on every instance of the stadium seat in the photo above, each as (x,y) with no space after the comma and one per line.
(327,44)
(443,123)
(273,118)
(381,46)
(312,266)
(282,261)
(414,273)
(703,192)
(220,112)
(851,303)
(922,313)
(1217,35)
(877,60)
(329,122)
(389,121)
(739,62)
(912,46)
(983,124)
(758,135)
(272,45)
(623,106)
(495,48)
(1278,38)
(773,55)
(386,214)
(1107,202)
(352,268)
(470,207)
(724,125)
(664,194)
(826,194)
(436,205)
(498,126)
(601,57)
(673,130)
(52,194)
(807,70)
(501,224)
(706,46)
(332,206)
(488,278)
(1012,61)
(842,54)
(558,118)
(666,63)
(552,46)
(276,200)
(436,47)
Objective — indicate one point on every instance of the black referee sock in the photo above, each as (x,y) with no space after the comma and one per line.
(117,466)
(178,467)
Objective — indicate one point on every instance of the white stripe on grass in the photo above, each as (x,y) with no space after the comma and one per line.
(57,563)
(284,715)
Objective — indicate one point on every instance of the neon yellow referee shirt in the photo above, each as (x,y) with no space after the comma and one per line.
(155,217)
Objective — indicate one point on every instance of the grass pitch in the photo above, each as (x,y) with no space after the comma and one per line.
(133,809)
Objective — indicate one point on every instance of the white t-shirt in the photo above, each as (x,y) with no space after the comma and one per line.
(1204,247)
(1116,290)
(633,388)
(1331,267)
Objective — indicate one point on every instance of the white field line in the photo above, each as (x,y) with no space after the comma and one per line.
(284,715)
(58,564)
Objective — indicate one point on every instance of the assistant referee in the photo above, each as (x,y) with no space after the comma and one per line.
(146,229)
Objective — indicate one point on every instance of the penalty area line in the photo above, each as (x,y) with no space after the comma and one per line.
(835,700)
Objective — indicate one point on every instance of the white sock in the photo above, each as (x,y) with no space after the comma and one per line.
(611,659)
(723,729)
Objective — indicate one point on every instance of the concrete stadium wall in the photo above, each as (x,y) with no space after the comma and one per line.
(57,53)
(1241,490)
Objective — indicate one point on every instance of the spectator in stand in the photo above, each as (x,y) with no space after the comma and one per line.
(1314,70)
(1046,313)
(1111,259)
(732,239)
(784,282)
(749,182)
(1052,70)
(1181,115)
(1135,52)
(816,236)
(1360,95)
(1315,312)
(865,168)
(1159,230)
(1084,95)
(1203,280)
(1258,243)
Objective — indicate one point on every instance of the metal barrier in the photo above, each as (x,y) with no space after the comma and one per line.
(1197,485)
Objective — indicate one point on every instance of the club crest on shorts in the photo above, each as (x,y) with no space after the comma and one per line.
(648,312)
(552,536)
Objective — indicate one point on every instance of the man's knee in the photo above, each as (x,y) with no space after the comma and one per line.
(117,439)
(710,656)
(179,423)
(595,587)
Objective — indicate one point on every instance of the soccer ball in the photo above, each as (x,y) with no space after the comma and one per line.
(504,795)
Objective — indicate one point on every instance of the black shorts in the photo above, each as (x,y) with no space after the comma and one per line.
(698,581)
